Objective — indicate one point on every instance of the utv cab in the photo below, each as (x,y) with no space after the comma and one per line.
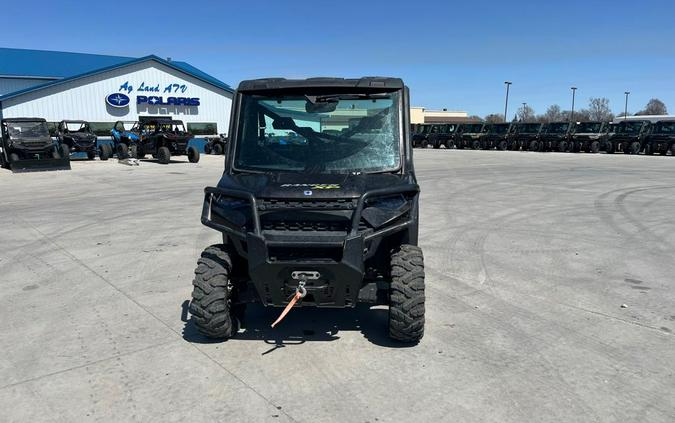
(496,135)
(661,138)
(590,137)
(554,136)
(26,145)
(522,135)
(318,205)
(164,138)
(442,135)
(628,136)
(420,139)
(76,136)
(124,135)
(468,135)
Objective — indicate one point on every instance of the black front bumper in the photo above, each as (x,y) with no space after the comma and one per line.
(338,259)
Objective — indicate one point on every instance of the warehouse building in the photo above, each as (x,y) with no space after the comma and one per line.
(423,115)
(104,89)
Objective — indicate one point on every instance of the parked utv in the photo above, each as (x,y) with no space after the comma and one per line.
(215,145)
(590,137)
(442,135)
(329,221)
(522,135)
(125,135)
(628,136)
(496,135)
(661,138)
(420,139)
(554,136)
(468,135)
(26,145)
(76,136)
(163,138)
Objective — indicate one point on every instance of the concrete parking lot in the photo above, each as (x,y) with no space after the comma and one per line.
(550,298)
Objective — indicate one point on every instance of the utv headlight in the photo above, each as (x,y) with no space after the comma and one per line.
(230,211)
(380,211)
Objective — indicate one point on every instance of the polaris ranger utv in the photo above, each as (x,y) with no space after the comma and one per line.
(26,145)
(521,136)
(628,136)
(496,136)
(590,137)
(215,145)
(328,220)
(124,135)
(468,135)
(420,139)
(163,138)
(661,138)
(76,136)
(554,136)
(442,135)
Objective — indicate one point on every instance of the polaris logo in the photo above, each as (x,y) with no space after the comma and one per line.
(308,192)
(118,100)
(170,101)
(313,186)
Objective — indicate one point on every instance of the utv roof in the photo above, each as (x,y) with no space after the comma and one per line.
(365,83)
(24,120)
(73,121)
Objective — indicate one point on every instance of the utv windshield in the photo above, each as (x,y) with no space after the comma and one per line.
(76,127)
(19,130)
(628,127)
(320,134)
(589,127)
(499,129)
(530,128)
(557,128)
(665,128)
(474,128)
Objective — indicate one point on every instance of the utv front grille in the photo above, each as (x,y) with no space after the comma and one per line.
(277,204)
(307,226)
(304,253)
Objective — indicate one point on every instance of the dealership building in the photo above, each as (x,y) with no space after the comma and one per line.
(104,89)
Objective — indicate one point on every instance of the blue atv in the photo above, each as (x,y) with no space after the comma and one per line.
(125,137)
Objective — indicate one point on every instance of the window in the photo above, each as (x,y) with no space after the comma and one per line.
(101,128)
(209,128)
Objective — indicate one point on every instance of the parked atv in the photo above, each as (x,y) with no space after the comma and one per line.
(215,145)
(661,138)
(26,145)
(164,138)
(328,222)
(628,136)
(443,135)
(522,135)
(496,135)
(125,135)
(554,136)
(76,136)
(590,137)
(469,134)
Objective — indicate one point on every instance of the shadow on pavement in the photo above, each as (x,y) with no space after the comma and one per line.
(303,325)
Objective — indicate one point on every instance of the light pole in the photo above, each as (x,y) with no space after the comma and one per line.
(574,91)
(524,106)
(625,110)
(506,106)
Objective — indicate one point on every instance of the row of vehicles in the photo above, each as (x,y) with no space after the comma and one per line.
(627,136)
(27,143)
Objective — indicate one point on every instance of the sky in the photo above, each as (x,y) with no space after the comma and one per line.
(454,56)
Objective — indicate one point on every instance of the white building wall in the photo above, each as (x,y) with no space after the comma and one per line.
(84,98)
(10,85)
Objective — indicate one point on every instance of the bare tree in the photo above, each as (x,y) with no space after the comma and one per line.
(654,107)
(598,109)
(579,115)
(525,113)
(494,118)
(553,114)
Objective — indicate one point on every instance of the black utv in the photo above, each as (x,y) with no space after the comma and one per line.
(76,136)
(522,135)
(661,138)
(590,137)
(628,136)
(468,135)
(164,138)
(554,136)
(496,135)
(27,145)
(442,135)
(328,220)
(420,139)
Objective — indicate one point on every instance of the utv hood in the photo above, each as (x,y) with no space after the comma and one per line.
(310,186)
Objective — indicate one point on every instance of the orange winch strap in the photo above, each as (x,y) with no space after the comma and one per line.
(288,308)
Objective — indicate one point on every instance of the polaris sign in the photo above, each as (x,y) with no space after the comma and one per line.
(118,100)
(170,101)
